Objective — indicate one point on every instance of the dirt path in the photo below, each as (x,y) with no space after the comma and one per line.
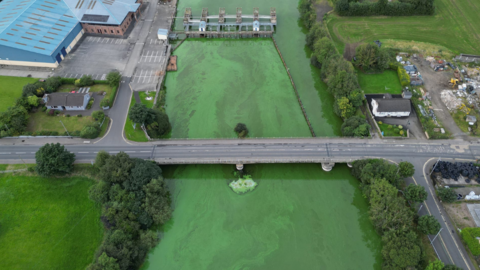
(435,83)
(322,8)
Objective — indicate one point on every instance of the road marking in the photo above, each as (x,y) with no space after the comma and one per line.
(20,153)
(145,151)
(130,151)
(5,153)
(32,152)
(114,152)
(83,152)
(438,207)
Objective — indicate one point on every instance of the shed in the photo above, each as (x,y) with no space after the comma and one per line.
(202,27)
(471,120)
(162,34)
(407,94)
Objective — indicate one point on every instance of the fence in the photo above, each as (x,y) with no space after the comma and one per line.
(295,89)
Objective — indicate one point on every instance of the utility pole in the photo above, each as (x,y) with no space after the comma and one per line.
(153,151)
(65,128)
(434,166)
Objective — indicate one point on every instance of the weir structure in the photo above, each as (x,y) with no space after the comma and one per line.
(237,25)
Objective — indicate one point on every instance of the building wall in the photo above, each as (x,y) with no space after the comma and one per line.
(386,114)
(112,29)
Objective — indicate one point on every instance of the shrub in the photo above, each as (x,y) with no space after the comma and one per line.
(52,84)
(113,78)
(380,122)
(57,112)
(90,103)
(98,115)
(77,82)
(44,109)
(79,115)
(447,195)
(54,159)
(396,130)
(390,127)
(355,126)
(403,77)
(160,126)
(469,236)
(51,112)
(67,80)
(54,133)
(105,103)
(90,131)
(68,115)
(241,130)
(401,132)
(85,80)
(400,127)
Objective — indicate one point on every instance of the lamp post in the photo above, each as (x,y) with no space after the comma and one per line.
(65,128)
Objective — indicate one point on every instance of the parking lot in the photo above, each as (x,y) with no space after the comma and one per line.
(95,56)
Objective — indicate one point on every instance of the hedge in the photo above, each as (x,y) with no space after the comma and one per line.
(100,82)
(68,80)
(403,77)
(382,7)
(468,235)
(112,95)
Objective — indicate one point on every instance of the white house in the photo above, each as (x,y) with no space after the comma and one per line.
(392,107)
(67,101)
(162,34)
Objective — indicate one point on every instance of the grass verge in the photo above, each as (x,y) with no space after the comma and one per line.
(11,89)
(47,223)
(143,98)
(41,121)
(137,134)
(386,82)
(459,118)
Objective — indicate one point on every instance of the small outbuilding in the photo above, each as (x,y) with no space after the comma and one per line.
(162,34)
(471,119)
(256,26)
(66,101)
(407,94)
(202,27)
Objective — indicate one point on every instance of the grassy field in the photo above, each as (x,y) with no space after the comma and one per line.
(11,89)
(42,121)
(148,103)
(386,82)
(455,26)
(47,223)
(94,88)
(137,134)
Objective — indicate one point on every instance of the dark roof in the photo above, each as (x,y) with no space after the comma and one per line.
(393,105)
(65,99)
(95,18)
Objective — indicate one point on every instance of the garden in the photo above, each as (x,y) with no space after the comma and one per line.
(392,130)
(29,116)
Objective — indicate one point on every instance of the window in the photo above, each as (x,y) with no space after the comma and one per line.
(105,30)
(54,107)
(118,32)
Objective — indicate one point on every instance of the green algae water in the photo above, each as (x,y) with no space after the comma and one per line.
(220,83)
(245,67)
(298,217)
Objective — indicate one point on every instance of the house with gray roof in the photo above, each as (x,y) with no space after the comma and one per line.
(67,101)
(391,107)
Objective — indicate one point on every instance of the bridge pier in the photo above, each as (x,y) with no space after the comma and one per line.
(239,167)
(328,166)
(349,164)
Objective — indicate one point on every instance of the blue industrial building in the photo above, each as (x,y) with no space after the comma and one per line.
(40,33)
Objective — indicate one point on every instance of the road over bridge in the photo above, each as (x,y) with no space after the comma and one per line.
(422,154)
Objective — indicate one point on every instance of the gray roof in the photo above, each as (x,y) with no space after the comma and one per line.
(393,105)
(65,99)
(102,11)
(407,94)
(471,118)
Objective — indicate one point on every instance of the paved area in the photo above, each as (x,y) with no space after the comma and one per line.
(25,73)
(475,212)
(411,122)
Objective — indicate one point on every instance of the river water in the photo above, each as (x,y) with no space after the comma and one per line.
(298,217)
(222,82)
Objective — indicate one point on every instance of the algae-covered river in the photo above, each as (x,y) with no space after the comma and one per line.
(298,217)
(221,82)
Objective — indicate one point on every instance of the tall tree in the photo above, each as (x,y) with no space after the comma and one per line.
(54,159)
(14,120)
(323,48)
(157,201)
(400,250)
(117,168)
(139,113)
(406,169)
(415,193)
(435,265)
(113,78)
(428,224)
(447,195)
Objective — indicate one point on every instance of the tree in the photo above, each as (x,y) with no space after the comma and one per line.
(400,250)
(307,12)
(356,98)
(104,263)
(142,173)
(241,130)
(355,126)
(54,159)
(342,84)
(14,120)
(447,195)
(160,126)
(435,265)
(101,159)
(139,113)
(105,102)
(370,57)
(53,83)
(98,115)
(90,131)
(33,101)
(117,168)
(428,224)
(99,192)
(406,169)
(317,32)
(451,267)
(85,80)
(113,78)
(157,201)
(29,90)
(415,193)
(323,48)
(344,108)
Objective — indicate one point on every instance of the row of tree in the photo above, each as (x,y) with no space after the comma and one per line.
(134,197)
(337,73)
(394,216)
(384,7)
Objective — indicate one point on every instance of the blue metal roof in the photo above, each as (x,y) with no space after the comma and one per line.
(162,31)
(35,25)
(102,11)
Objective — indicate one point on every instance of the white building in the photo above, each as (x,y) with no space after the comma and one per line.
(67,101)
(162,34)
(391,107)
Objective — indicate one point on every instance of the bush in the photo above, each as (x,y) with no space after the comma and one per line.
(396,130)
(401,132)
(403,77)
(400,127)
(85,80)
(54,159)
(241,130)
(68,115)
(67,80)
(79,115)
(51,112)
(57,112)
(90,103)
(44,109)
(90,131)
(380,122)
(355,126)
(98,115)
(113,78)
(382,7)
(105,103)
(447,195)
(160,126)
(52,84)
(390,127)
(469,235)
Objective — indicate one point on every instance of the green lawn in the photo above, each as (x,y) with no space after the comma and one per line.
(137,134)
(94,88)
(455,26)
(148,103)
(11,89)
(390,132)
(386,82)
(42,121)
(47,223)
